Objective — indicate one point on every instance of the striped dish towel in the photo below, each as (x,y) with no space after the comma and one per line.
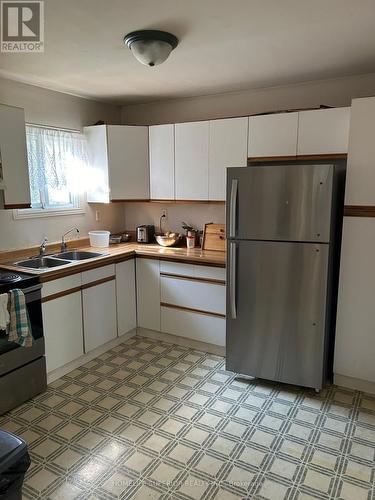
(19,328)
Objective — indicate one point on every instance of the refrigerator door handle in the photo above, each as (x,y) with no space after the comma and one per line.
(233,209)
(232,279)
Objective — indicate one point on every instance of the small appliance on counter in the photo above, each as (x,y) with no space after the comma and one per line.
(117,238)
(145,233)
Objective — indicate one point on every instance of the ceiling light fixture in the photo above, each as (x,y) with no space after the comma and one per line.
(151,47)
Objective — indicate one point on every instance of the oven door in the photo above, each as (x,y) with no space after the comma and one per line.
(12,355)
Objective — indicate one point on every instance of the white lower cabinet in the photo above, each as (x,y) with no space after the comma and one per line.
(125,296)
(63,334)
(193,301)
(355,339)
(148,293)
(193,294)
(99,314)
(196,326)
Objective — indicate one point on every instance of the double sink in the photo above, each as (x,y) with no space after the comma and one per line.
(58,259)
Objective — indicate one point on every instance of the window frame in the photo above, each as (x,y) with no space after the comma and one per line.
(76,207)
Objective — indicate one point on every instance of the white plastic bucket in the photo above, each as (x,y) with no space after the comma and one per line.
(99,238)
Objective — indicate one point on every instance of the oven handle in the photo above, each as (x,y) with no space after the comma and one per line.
(32,293)
(31,289)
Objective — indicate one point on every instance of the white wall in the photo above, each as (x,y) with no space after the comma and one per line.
(337,92)
(60,110)
(195,214)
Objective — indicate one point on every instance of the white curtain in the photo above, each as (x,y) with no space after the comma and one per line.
(57,163)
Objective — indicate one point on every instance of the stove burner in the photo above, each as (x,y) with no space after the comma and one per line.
(6,278)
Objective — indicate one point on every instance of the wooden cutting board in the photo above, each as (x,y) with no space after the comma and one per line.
(214,237)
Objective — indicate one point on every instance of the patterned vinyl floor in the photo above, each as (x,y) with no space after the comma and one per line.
(151,420)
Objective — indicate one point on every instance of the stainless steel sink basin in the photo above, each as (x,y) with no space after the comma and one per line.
(42,263)
(78,255)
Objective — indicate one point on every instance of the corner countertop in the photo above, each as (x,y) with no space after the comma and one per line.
(114,254)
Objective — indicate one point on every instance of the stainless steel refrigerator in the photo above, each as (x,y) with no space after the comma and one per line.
(283,249)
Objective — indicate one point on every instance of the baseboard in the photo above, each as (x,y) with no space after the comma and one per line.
(354,383)
(182,341)
(85,358)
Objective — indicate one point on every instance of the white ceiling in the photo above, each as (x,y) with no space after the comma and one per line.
(225,45)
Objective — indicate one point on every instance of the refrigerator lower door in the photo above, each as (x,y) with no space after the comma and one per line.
(276,311)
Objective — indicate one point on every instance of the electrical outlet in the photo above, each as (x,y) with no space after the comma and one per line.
(164,214)
(97,215)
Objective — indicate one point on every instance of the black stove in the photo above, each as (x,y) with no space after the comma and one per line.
(11,279)
(22,364)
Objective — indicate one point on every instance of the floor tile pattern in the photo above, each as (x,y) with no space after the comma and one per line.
(150,420)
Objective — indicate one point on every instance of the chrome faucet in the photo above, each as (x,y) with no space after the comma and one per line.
(63,243)
(42,248)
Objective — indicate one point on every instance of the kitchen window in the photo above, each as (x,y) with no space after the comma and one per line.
(57,162)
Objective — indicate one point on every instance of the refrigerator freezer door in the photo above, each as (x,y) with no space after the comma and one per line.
(278,330)
(280,202)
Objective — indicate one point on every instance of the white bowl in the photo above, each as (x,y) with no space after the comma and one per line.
(99,238)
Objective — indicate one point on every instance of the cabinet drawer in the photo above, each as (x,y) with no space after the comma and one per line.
(202,327)
(98,274)
(193,270)
(61,285)
(183,292)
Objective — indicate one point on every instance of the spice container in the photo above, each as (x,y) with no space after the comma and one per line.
(190,239)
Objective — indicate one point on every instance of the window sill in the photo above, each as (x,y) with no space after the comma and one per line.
(34,213)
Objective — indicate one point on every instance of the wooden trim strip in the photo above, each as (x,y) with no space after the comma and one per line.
(181,260)
(189,309)
(359,211)
(193,278)
(173,202)
(16,205)
(61,294)
(82,267)
(140,200)
(269,159)
(98,282)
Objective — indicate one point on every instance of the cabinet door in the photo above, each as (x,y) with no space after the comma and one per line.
(161,144)
(323,131)
(191,160)
(228,148)
(355,327)
(125,293)
(148,293)
(273,135)
(99,314)
(63,334)
(13,157)
(98,184)
(128,162)
(360,174)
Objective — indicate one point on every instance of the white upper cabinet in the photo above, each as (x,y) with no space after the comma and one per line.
(323,131)
(360,174)
(118,156)
(161,144)
(13,158)
(191,160)
(227,148)
(273,135)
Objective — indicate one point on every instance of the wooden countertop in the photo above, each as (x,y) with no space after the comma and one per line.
(114,253)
